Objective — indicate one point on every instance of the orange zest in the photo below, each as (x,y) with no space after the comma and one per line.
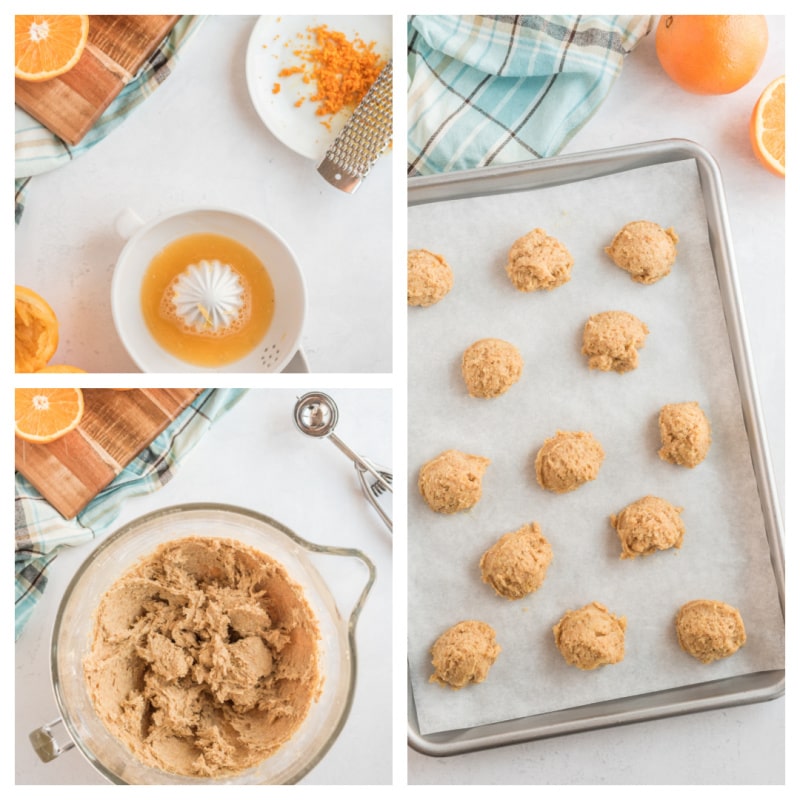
(35,331)
(768,127)
(711,53)
(341,70)
(48,45)
(44,415)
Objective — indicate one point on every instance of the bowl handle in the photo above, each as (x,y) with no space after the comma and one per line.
(127,223)
(359,601)
(45,744)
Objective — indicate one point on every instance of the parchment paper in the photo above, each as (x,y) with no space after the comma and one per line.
(687,356)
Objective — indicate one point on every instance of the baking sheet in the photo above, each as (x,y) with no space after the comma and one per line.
(687,357)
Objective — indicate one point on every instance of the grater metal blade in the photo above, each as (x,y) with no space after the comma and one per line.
(364,137)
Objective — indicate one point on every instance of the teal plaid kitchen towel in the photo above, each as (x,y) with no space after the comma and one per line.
(40,531)
(500,89)
(37,150)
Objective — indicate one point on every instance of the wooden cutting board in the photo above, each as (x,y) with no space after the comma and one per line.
(116,426)
(118,46)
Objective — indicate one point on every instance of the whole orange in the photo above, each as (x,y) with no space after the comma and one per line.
(711,54)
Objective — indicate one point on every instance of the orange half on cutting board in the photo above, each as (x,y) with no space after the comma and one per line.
(48,45)
(44,415)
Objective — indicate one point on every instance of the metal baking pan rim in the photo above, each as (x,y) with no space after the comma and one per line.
(522,176)
(504,178)
(681,700)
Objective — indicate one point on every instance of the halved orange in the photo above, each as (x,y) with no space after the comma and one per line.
(35,330)
(44,415)
(48,45)
(768,127)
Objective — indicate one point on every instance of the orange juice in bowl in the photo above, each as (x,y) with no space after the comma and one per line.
(216,290)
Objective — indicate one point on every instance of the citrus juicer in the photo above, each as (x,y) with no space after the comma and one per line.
(316,414)
(207,296)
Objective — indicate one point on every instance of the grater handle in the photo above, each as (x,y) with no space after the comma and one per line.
(364,137)
(338,176)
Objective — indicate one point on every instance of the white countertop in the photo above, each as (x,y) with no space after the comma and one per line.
(198,141)
(739,745)
(254,457)
(71,212)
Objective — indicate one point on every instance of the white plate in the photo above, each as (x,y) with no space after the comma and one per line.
(270,49)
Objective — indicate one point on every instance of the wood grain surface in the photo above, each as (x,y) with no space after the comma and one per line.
(118,47)
(116,426)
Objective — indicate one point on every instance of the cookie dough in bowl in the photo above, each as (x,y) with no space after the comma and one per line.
(648,525)
(538,261)
(516,564)
(611,340)
(645,250)
(591,637)
(490,367)
(430,278)
(464,654)
(685,434)
(568,460)
(709,630)
(453,481)
(204,659)
(201,644)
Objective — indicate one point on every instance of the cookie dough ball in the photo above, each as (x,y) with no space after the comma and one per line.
(645,250)
(464,654)
(591,637)
(709,630)
(429,278)
(685,434)
(612,340)
(568,460)
(648,525)
(516,564)
(452,481)
(490,367)
(538,261)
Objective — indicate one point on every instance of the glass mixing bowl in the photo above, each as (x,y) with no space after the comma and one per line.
(306,563)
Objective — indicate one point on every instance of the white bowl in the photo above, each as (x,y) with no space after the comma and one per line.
(145,240)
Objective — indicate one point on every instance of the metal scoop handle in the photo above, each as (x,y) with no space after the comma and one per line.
(362,465)
(375,492)
(316,414)
(372,491)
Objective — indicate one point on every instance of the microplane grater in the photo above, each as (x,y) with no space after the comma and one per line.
(364,137)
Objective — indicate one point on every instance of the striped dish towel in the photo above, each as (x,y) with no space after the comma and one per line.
(37,150)
(500,89)
(40,531)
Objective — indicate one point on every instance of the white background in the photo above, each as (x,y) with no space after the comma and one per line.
(742,745)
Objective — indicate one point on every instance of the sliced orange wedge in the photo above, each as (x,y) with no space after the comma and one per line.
(768,127)
(48,45)
(44,415)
